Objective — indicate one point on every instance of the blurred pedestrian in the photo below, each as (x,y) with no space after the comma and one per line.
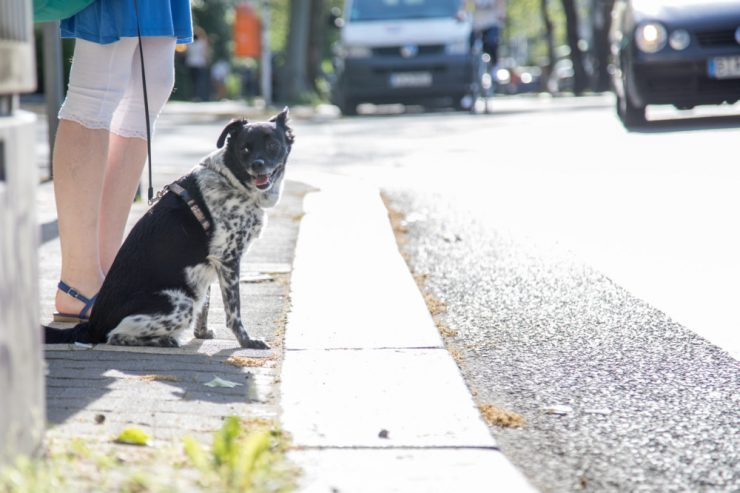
(219,73)
(488,16)
(197,59)
(100,148)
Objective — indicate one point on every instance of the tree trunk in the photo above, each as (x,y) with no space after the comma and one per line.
(549,40)
(602,20)
(294,80)
(579,73)
(317,38)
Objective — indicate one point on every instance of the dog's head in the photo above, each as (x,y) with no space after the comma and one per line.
(256,153)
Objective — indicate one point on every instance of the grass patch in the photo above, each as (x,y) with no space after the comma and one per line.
(244,456)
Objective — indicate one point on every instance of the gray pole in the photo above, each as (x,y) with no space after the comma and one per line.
(266,72)
(53,81)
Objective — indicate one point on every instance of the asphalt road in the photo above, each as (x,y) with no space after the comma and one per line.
(582,266)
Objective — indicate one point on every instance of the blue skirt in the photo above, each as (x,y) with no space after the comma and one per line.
(106,21)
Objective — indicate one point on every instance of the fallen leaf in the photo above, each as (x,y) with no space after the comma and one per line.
(496,416)
(242,361)
(255,277)
(558,409)
(157,378)
(220,382)
(133,436)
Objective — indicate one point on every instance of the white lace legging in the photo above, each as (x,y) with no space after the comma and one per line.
(105,89)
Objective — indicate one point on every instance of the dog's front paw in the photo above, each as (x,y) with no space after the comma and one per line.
(204,334)
(253,344)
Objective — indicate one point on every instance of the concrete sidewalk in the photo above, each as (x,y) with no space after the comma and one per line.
(363,383)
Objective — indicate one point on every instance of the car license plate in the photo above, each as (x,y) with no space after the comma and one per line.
(411,79)
(725,67)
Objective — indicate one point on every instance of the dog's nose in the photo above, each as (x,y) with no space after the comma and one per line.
(258,164)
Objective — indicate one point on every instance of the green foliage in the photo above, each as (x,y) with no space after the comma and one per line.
(524,24)
(242,460)
(245,457)
(30,476)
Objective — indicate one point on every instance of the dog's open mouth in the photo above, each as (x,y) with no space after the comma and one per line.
(262,181)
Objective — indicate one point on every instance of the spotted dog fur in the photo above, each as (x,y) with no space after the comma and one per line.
(158,285)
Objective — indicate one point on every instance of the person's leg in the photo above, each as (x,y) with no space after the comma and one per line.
(78,180)
(127,144)
(80,152)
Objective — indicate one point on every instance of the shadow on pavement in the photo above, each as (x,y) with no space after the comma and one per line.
(689,124)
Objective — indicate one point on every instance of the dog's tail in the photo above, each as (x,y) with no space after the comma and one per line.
(81,332)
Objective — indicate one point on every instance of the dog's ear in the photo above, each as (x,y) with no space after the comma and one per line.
(281,120)
(233,126)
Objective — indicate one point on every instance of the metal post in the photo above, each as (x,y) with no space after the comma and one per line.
(53,81)
(266,72)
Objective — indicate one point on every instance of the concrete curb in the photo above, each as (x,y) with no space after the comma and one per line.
(367,385)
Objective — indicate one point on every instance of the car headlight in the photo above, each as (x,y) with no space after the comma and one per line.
(357,51)
(680,39)
(457,47)
(651,37)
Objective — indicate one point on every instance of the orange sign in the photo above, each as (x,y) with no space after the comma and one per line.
(247,32)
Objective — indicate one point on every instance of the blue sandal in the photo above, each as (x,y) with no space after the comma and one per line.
(71,317)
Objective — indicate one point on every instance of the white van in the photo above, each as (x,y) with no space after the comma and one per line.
(403,51)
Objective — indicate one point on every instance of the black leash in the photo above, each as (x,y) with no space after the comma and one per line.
(150,192)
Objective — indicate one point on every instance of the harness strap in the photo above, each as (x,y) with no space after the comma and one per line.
(190,201)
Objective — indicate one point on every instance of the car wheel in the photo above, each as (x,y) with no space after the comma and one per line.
(631,115)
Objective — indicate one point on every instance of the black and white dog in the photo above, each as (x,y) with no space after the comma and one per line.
(157,287)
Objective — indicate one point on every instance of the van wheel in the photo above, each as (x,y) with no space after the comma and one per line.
(348,107)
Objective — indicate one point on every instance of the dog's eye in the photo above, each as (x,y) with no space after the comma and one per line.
(273,147)
(246,149)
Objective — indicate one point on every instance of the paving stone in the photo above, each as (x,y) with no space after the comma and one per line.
(367,298)
(407,470)
(344,398)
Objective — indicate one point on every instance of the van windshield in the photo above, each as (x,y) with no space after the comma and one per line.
(383,10)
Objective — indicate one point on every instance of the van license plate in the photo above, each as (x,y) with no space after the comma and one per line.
(724,67)
(411,79)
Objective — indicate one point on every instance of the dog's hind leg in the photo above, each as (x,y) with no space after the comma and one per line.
(201,320)
(161,328)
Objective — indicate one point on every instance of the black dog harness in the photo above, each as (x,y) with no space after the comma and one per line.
(185,196)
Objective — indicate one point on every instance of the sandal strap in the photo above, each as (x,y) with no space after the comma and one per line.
(69,290)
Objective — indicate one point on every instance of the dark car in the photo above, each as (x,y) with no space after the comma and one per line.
(679,52)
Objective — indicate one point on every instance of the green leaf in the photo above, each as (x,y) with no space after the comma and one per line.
(133,436)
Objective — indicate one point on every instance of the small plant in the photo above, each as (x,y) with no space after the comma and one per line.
(29,476)
(243,460)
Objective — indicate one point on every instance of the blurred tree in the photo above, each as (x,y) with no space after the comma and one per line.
(294,83)
(307,47)
(549,42)
(580,80)
(601,20)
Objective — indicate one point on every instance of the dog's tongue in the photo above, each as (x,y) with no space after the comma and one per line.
(261,180)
